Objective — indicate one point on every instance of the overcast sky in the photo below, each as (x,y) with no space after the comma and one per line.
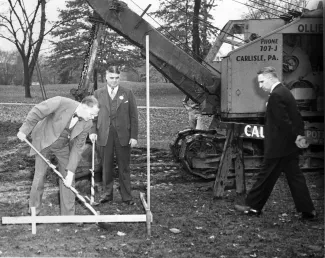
(226,10)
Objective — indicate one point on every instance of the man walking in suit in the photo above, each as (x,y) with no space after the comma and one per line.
(116,130)
(60,126)
(283,130)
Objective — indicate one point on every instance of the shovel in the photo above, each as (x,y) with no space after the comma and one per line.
(82,199)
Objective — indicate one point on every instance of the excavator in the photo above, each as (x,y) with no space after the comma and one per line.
(227,89)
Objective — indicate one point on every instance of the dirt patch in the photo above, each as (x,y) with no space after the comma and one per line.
(8,129)
(187,221)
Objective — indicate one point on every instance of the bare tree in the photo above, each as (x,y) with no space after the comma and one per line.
(19,28)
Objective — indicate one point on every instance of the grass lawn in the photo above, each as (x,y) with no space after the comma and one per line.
(161,94)
(164,123)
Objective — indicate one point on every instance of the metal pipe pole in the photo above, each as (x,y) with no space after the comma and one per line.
(92,189)
(148,120)
(148,136)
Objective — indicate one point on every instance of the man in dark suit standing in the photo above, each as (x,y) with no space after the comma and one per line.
(116,129)
(60,126)
(283,130)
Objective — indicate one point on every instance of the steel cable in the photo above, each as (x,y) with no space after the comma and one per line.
(186,47)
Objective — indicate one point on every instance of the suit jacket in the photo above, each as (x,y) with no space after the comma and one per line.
(126,116)
(47,121)
(283,123)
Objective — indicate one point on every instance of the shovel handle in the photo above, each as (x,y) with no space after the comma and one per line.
(61,177)
(45,159)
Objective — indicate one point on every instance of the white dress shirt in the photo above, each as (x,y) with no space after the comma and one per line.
(73,122)
(112,91)
(75,119)
(273,86)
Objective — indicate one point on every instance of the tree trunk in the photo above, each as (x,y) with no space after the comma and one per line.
(195,31)
(27,80)
(204,34)
(186,25)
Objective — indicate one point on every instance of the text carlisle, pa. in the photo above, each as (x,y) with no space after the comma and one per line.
(267,50)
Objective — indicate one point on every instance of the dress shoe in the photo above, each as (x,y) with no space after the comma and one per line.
(129,202)
(308,215)
(248,210)
(105,199)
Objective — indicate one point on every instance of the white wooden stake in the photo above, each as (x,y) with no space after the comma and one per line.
(33,213)
(74,219)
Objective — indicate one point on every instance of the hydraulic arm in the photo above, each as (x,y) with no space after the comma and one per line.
(190,76)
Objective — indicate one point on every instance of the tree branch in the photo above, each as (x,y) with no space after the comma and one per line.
(54,27)
(13,10)
(5,26)
(40,39)
(9,39)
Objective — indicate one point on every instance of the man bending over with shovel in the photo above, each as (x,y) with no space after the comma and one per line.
(60,126)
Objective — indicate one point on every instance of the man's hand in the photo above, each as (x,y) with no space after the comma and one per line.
(69,179)
(21,136)
(301,142)
(93,137)
(133,142)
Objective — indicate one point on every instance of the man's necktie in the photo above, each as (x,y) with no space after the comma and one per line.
(112,93)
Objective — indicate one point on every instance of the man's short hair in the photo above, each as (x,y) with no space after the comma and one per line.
(268,70)
(113,69)
(90,101)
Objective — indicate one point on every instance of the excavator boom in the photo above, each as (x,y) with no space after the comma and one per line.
(186,73)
